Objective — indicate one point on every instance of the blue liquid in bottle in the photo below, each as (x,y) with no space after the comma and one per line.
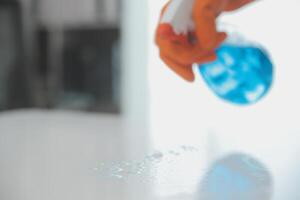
(242,74)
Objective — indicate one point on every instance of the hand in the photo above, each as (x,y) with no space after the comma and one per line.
(180,51)
(236,4)
(205,13)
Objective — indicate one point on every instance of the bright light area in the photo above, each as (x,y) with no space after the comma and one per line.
(184,113)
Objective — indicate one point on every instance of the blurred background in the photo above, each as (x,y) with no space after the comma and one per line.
(60,54)
(73,95)
(81,84)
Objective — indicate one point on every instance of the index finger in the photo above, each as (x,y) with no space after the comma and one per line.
(205,13)
(236,4)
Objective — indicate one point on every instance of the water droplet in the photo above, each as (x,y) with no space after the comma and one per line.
(118,176)
(160,167)
(174,153)
(157,155)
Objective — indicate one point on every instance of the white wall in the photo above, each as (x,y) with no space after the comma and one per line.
(134,68)
(135,97)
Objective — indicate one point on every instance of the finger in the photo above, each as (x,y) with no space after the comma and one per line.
(209,58)
(165,32)
(204,15)
(182,53)
(184,71)
(203,57)
(180,50)
(187,56)
(236,4)
(220,38)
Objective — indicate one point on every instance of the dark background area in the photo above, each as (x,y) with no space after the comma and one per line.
(48,60)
